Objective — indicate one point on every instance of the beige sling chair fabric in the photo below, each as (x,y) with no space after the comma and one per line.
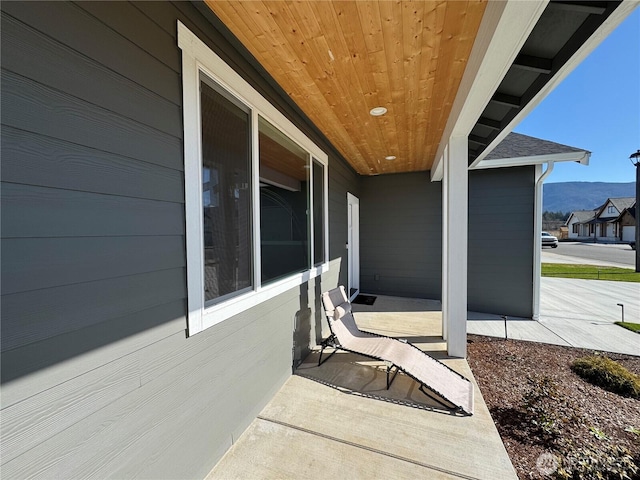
(445,385)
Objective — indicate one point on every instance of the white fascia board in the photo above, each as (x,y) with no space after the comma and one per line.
(608,26)
(581,157)
(504,28)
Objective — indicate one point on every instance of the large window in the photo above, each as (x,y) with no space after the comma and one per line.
(255,193)
(226,193)
(284,203)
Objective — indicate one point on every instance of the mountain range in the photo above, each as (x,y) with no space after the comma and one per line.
(570,196)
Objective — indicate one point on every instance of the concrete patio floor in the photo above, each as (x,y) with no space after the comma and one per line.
(339,421)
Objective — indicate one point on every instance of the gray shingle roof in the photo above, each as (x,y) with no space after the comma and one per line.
(517,145)
(622,202)
(582,216)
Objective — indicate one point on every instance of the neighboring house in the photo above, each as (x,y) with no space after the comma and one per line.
(627,224)
(182,180)
(579,226)
(606,219)
(603,223)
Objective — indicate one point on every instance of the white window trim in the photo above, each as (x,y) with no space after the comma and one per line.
(198,57)
(325,207)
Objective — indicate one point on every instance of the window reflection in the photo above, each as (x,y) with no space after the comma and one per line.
(226,196)
(284,204)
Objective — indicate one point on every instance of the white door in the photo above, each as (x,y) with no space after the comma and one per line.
(353,245)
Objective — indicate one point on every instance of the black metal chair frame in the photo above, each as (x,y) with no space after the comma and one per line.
(332,341)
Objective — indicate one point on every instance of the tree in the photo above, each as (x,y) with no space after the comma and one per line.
(555,216)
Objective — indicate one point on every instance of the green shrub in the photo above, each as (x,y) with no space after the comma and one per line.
(606,462)
(540,403)
(608,374)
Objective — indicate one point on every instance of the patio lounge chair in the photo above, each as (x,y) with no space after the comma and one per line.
(436,380)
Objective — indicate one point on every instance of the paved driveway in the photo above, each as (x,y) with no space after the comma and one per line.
(617,255)
(582,312)
(574,312)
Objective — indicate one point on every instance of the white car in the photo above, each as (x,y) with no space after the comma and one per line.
(549,240)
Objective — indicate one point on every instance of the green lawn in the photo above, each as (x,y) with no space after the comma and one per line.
(634,327)
(589,272)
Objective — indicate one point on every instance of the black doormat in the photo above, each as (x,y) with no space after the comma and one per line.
(364,299)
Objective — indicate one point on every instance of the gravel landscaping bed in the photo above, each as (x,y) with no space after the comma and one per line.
(549,418)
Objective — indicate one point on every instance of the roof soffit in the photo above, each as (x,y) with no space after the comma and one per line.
(437,66)
(565,34)
(339,59)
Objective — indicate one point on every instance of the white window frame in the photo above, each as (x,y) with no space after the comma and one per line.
(198,57)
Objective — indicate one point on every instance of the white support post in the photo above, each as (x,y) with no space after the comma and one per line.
(537,239)
(537,245)
(455,234)
(445,243)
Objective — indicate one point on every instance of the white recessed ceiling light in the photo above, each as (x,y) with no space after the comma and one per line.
(378,111)
(390,157)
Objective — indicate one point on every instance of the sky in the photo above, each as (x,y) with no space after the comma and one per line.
(596,108)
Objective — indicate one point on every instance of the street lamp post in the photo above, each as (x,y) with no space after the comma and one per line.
(635,160)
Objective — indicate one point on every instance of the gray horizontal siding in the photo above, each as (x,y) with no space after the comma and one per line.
(342,180)
(100,42)
(166,356)
(500,272)
(30,211)
(99,378)
(33,159)
(39,314)
(25,424)
(131,23)
(39,366)
(113,92)
(209,401)
(400,240)
(55,262)
(34,107)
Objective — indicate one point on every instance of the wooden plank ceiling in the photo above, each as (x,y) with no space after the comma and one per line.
(339,59)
